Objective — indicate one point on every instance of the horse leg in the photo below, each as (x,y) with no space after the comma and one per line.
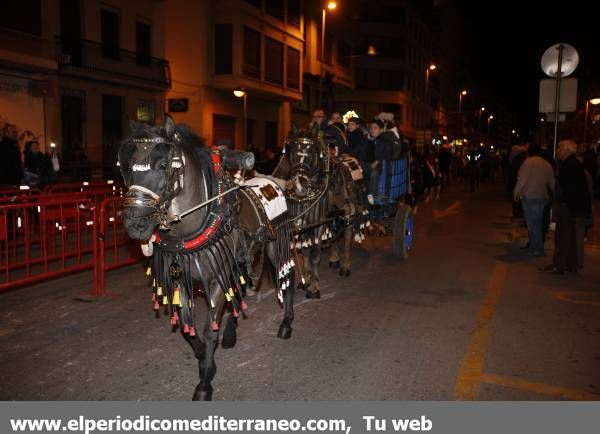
(229,333)
(314,259)
(285,328)
(345,270)
(206,364)
(334,256)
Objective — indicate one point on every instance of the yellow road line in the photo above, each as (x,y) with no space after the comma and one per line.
(542,389)
(471,367)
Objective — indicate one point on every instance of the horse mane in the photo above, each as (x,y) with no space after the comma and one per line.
(186,137)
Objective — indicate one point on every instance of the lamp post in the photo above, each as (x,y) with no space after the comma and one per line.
(593,101)
(241,93)
(460,123)
(489,121)
(331,5)
(431,68)
(479,113)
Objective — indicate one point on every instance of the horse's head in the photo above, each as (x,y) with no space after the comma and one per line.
(152,165)
(306,155)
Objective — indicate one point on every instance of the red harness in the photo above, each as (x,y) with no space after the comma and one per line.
(208,233)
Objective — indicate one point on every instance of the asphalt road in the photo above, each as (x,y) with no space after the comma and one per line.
(467,316)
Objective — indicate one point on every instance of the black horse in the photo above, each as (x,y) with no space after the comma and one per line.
(197,221)
(323,203)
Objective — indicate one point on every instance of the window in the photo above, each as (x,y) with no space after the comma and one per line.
(23,16)
(293,68)
(273,61)
(145,112)
(343,54)
(294,13)
(274,8)
(142,43)
(328,47)
(251,53)
(223,48)
(109,32)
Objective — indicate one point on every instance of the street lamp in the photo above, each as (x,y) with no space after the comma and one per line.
(460,121)
(241,93)
(489,121)
(431,67)
(593,101)
(479,113)
(331,5)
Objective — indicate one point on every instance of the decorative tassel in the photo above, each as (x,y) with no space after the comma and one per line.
(214,326)
(176,298)
(192,331)
(148,271)
(165,300)
(186,328)
(235,312)
(159,291)
(244,306)
(153,298)
(174,319)
(242,280)
(156,305)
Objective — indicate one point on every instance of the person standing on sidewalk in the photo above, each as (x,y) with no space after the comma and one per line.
(534,183)
(573,207)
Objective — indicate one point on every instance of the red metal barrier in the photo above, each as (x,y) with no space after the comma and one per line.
(115,248)
(23,190)
(47,239)
(70,187)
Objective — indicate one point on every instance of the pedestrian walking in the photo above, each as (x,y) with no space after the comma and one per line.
(535,183)
(573,207)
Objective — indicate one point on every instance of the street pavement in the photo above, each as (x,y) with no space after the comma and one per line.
(466,317)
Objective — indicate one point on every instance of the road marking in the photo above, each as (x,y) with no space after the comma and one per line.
(471,367)
(578,297)
(542,389)
(451,210)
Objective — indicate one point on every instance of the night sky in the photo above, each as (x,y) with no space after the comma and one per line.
(504,42)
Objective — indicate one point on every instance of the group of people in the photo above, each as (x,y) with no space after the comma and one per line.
(34,169)
(370,144)
(568,196)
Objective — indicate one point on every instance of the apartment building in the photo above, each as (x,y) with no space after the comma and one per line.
(215,48)
(83,67)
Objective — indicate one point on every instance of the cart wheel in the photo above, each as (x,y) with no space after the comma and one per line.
(403,231)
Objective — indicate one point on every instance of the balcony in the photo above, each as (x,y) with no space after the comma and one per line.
(95,60)
(27,50)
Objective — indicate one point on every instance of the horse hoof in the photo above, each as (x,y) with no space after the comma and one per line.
(285,331)
(334,264)
(345,272)
(313,294)
(203,394)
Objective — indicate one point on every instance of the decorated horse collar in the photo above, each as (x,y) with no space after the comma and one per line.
(215,222)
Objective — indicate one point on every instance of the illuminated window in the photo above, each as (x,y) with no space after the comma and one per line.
(145,112)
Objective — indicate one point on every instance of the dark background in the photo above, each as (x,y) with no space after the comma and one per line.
(503,45)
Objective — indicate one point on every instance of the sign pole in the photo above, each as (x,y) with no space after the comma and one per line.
(557,95)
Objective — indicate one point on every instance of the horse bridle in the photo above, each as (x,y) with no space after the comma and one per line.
(140,196)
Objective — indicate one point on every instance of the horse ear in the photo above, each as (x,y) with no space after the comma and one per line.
(134,125)
(169,126)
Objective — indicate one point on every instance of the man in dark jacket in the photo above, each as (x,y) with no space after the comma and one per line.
(382,151)
(356,139)
(573,205)
(11,168)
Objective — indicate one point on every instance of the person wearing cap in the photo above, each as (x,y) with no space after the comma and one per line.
(573,206)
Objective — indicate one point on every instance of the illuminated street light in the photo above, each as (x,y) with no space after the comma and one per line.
(372,51)
(432,67)
(331,5)
(463,93)
(514,132)
(595,101)
(241,93)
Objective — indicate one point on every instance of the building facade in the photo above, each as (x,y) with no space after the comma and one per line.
(91,66)
(215,48)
